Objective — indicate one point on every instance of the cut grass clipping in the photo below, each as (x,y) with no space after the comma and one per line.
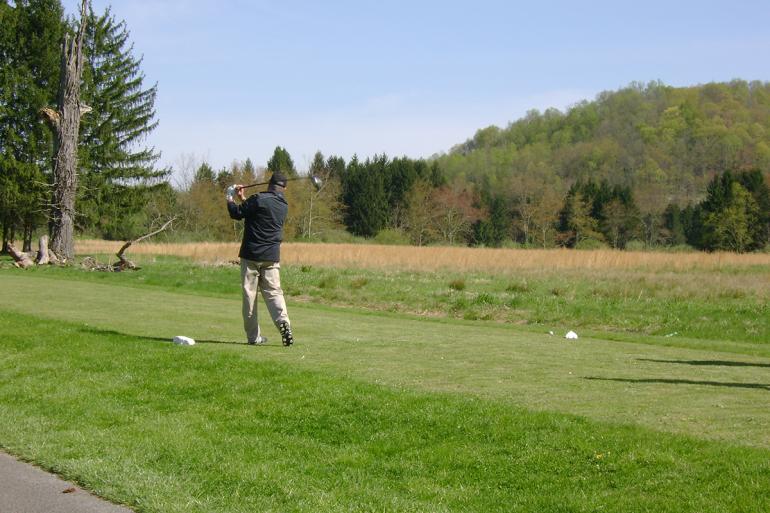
(169,429)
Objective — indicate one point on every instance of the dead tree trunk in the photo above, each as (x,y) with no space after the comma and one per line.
(20,258)
(65,124)
(45,255)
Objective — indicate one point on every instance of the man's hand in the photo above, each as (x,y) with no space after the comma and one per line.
(241,194)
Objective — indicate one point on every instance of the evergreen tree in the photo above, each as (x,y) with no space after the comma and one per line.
(437,178)
(318,166)
(205,174)
(493,230)
(30,37)
(734,216)
(399,176)
(692,222)
(336,166)
(118,172)
(674,226)
(364,197)
(281,162)
(421,213)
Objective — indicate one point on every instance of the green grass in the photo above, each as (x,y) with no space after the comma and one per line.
(379,408)
(170,429)
(730,304)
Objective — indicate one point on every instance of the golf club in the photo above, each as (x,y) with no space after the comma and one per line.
(315,180)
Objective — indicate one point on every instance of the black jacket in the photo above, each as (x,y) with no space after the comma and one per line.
(263,229)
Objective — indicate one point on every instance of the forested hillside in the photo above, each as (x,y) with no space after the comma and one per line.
(665,143)
(635,164)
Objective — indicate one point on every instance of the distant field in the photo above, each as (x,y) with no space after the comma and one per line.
(412,258)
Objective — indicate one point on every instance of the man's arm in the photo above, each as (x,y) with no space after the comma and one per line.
(235,210)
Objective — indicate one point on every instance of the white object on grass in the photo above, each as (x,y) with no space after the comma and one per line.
(184,341)
(571,335)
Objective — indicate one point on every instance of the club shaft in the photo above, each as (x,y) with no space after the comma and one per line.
(268,182)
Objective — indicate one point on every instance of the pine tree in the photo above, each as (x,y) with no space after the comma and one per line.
(281,162)
(735,214)
(318,166)
(674,225)
(118,172)
(365,197)
(30,36)
(493,230)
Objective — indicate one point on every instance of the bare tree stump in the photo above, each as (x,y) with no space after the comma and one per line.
(42,253)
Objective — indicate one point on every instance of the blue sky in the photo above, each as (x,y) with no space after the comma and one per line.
(237,78)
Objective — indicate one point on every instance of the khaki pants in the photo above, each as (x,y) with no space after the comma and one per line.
(265,277)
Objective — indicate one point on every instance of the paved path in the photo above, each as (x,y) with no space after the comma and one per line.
(27,489)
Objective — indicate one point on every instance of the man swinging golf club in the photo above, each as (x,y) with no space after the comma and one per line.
(260,254)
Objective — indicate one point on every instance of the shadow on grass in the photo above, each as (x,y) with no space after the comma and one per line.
(99,331)
(663,381)
(719,363)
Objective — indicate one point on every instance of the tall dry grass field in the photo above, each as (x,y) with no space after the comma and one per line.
(408,258)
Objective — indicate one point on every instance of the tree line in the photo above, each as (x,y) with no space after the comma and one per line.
(410,201)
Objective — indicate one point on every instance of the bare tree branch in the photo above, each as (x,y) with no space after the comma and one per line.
(124,263)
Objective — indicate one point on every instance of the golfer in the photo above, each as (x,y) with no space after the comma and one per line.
(260,254)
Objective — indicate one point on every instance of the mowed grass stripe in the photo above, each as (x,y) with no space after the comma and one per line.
(173,429)
(710,395)
(716,309)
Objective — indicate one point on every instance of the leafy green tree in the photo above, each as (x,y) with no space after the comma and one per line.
(319,211)
(576,222)
(619,222)
(729,228)
(545,215)
(118,171)
(202,208)
(421,213)
(281,162)
(757,185)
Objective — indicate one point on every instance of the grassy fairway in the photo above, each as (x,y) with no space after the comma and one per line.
(370,412)
(727,303)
